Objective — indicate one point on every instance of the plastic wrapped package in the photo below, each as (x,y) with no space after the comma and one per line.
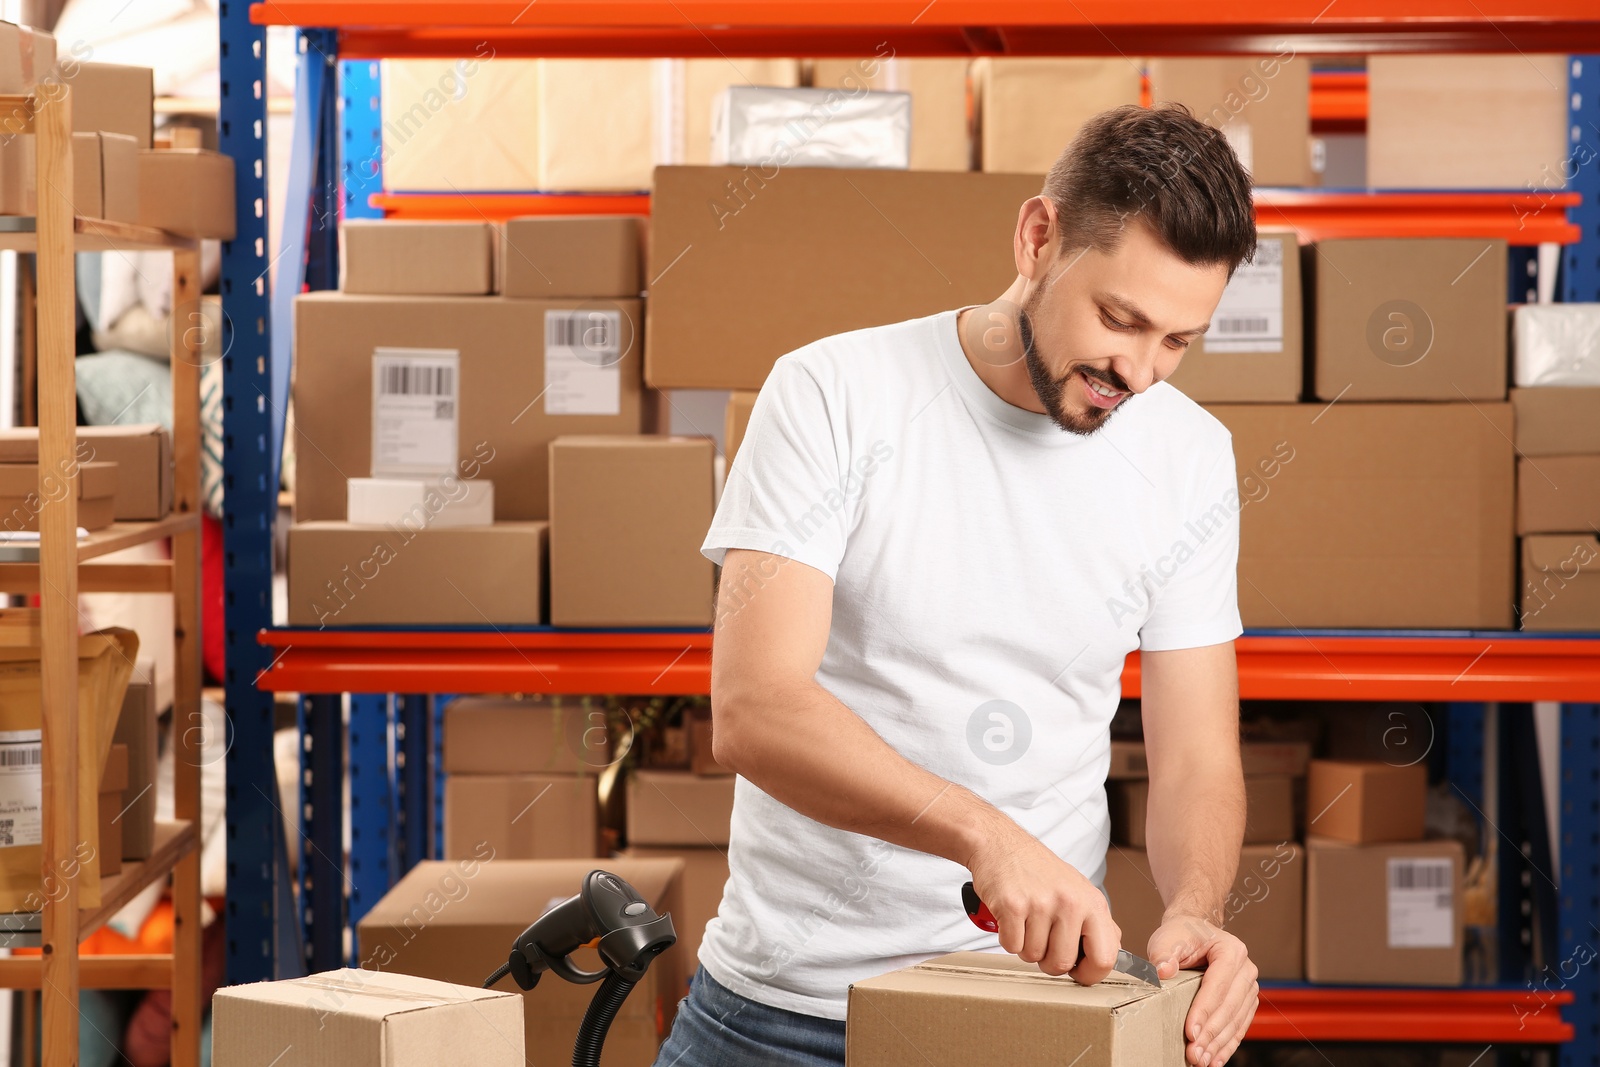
(773,127)
(1556,344)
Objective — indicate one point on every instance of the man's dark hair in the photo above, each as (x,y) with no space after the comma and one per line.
(1164,167)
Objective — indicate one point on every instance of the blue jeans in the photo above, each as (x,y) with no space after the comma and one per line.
(716,1027)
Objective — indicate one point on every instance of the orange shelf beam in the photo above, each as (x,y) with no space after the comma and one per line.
(497,207)
(1338,101)
(1453,1016)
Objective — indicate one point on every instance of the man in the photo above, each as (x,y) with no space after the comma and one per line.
(939,543)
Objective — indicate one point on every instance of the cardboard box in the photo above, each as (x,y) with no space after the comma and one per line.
(702,754)
(459,125)
(687,92)
(986,1007)
(456,921)
(1274,757)
(736,421)
(515,394)
(21,497)
(119,177)
(1254,349)
(596,124)
(420,503)
(142,454)
(940,133)
(187,191)
(506,735)
(521,816)
(1262,104)
(679,808)
(721,316)
(767,127)
(1384,914)
(138,730)
(1557,420)
(1127,761)
(1408,318)
(606,567)
(551,257)
(1390,515)
(88,197)
(113,785)
(1029,110)
(1430,119)
(1263,909)
(1558,494)
(1269,810)
(1555,344)
(705,876)
(416,258)
(112,98)
(1560,582)
(1365,802)
(38,54)
(341,574)
(367,1016)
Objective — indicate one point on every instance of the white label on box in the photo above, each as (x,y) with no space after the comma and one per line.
(21,780)
(1422,910)
(1249,317)
(582,357)
(415,401)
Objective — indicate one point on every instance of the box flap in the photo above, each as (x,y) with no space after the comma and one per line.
(365,993)
(1002,976)
(1563,552)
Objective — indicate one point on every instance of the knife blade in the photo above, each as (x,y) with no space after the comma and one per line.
(1127,963)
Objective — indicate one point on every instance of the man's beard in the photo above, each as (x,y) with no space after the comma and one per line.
(1051,391)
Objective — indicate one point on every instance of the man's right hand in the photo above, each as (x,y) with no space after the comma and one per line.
(1044,906)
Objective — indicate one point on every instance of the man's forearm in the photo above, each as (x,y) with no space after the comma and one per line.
(1195,829)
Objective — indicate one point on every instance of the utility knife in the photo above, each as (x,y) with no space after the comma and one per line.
(1127,962)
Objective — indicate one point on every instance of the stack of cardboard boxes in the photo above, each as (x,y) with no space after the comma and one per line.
(125,474)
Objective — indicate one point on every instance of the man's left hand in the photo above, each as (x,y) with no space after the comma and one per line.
(1226,1003)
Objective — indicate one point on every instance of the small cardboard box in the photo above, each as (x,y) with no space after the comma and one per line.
(366,1017)
(418,503)
(1127,761)
(1557,420)
(187,191)
(941,137)
(1560,582)
(1261,103)
(1263,909)
(119,177)
(679,808)
(985,1007)
(455,921)
(1407,318)
(1558,494)
(705,876)
(88,198)
(1274,757)
(113,787)
(505,735)
(607,568)
(521,816)
(341,574)
(1384,914)
(1269,810)
(740,404)
(548,257)
(416,258)
(1029,110)
(142,454)
(112,98)
(21,498)
(1366,802)
(138,728)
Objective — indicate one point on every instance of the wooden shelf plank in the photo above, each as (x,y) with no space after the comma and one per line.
(120,535)
(151,577)
(17,234)
(94,972)
(174,840)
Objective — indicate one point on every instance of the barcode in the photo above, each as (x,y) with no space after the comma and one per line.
(579,329)
(412,379)
(1240,324)
(1421,876)
(21,757)
(6,836)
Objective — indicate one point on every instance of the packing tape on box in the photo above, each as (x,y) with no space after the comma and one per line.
(1556,344)
(336,986)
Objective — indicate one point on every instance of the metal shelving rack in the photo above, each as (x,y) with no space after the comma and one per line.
(400,677)
(63,569)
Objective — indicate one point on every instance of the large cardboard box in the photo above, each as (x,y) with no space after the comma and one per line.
(1560,582)
(1467,121)
(986,1007)
(1029,110)
(1374,514)
(1557,420)
(142,454)
(1365,802)
(521,816)
(1558,494)
(113,98)
(736,421)
(705,875)
(1253,351)
(22,497)
(679,808)
(456,921)
(138,729)
(366,1016)
(596,124)
(609,568)
(507,735)
(940,131)
(1269,810)
(341,574)
(777,264)
(416,258)
(1263,909)
(1407,318)
(187,191)
(1261,103)
(550,257)
(685,102)
(113,788)
(517,390)
(1384,914)
(461,125)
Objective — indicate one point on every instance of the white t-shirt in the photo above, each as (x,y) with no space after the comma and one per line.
(991,574)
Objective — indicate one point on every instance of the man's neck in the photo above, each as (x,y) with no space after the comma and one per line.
(992,342)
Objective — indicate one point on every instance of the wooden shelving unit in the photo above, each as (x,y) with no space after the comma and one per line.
(54,235)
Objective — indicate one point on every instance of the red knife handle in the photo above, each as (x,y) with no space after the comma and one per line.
(977,910)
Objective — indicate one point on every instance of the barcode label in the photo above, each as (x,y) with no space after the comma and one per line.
(1421,903)
(27,756)
(21,779)
(414,411)
(1249,317)
(582,355)
(1230,326)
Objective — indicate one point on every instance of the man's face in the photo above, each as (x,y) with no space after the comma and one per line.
(1104,325)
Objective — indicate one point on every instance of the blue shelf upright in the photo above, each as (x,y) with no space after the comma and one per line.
(1581,260)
